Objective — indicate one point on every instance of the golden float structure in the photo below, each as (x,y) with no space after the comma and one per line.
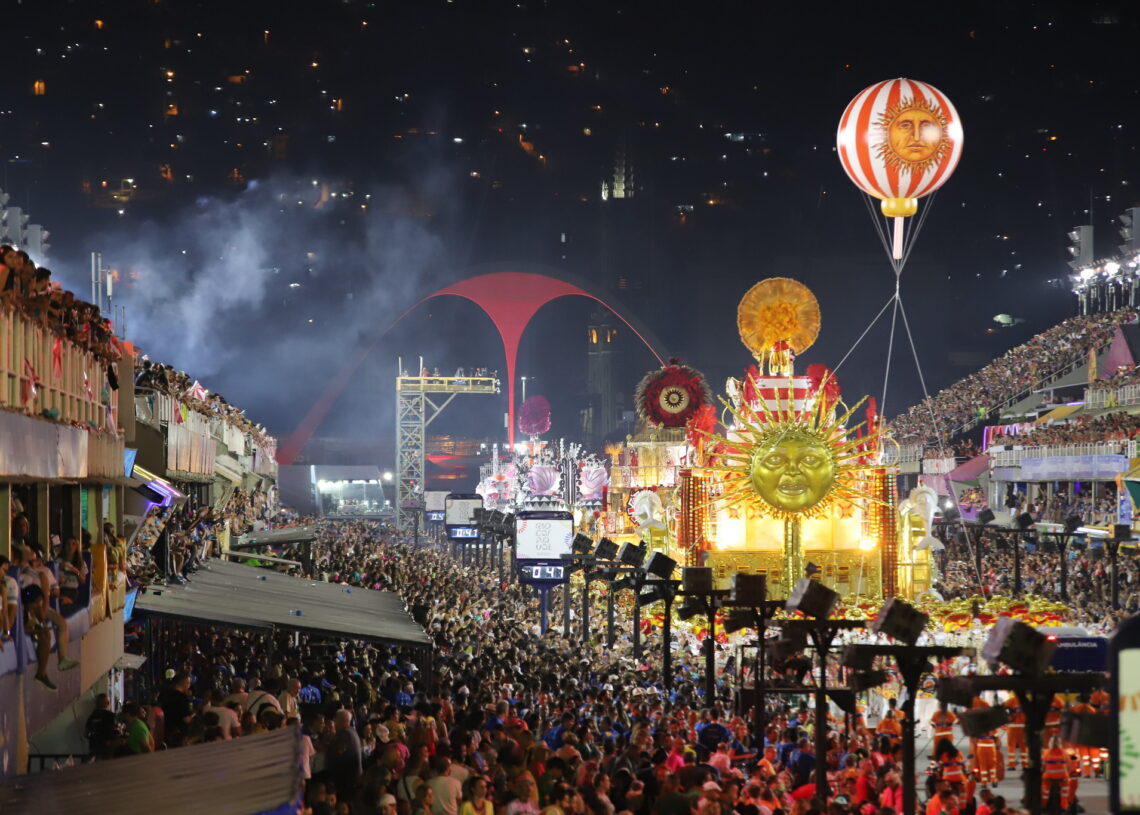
(796,483)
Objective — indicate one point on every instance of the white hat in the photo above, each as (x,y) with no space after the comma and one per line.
(711,785)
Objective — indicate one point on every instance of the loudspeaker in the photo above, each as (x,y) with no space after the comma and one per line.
(812,598)
(697,580)
(985,516)
(1022,647)
(1122,532)
(982,722)
(748,590)
(1024,521)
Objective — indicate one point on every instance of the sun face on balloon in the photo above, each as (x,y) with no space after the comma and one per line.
(913,135)
(789,464)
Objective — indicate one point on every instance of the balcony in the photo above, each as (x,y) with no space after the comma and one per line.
(637,477)
(43,374)
(447,384)
(1014,457)
(1100,398)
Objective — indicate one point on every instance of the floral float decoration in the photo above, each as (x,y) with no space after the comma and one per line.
(670,396)
(534,416)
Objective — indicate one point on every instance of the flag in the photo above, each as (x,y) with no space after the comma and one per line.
(57,358)
(196,391)
(29,384)
(1092,365)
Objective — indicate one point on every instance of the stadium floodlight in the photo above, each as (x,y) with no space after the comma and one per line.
(865,680)
(985,516)
(655,592)
(1019,646)
(739,618)
(813,599)
(1081,248)
(690,607)
(606,550)
(661,565)
(1072,524)
(901,621)
(632,554)
(697,580)
(581,545)
(982,722)
(748,590)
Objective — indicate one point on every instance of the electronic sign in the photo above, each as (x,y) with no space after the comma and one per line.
(434,515)
(435,500)
(459,509)
(541,539)
(462,532)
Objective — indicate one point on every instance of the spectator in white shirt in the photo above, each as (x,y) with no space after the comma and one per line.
(227,717)
(290,699)
(448,791)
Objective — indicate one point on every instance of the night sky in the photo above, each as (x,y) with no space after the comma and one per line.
(302,173)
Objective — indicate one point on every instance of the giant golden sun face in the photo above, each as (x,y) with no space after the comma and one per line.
(793,464)
(794,471)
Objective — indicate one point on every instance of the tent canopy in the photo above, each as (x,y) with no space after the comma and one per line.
(253,774)
(248,597)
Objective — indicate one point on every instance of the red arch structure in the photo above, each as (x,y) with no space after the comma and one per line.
(510,299)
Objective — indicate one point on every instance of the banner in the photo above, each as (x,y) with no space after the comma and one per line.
(1071,468)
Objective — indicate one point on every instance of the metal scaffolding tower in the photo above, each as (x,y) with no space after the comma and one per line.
(415,410)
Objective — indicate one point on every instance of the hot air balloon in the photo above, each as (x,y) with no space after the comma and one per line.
(899,140)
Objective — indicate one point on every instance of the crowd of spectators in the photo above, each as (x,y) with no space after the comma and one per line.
(177,384)
(1117,426)
(1088,578)
(512,722)
(1123,378)
(30,290)
(172,540)
(1012,373)
(961,449)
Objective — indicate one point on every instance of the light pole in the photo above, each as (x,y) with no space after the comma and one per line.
(524,387)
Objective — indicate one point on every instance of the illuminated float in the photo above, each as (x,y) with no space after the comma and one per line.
(796,483)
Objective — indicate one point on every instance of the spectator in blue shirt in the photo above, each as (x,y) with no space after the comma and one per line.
(554,736)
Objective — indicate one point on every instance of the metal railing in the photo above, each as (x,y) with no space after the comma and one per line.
(1014,457)
(1100,398)
(47,375)
(626,477)
(448,384)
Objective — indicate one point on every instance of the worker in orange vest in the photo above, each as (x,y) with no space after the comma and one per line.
(889,726)
(1015,734)
(986,759)
(1053,719)
(1102,701)
(942,723)
(1055,772)
(1084,756)
(953,769)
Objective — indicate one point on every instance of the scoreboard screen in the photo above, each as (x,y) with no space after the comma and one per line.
(543,535)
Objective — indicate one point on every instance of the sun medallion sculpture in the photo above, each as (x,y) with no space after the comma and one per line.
(788,452)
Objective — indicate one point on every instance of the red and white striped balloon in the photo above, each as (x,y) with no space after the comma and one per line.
(899,140)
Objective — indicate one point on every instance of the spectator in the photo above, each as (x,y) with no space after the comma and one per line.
(139,739)
(344,763)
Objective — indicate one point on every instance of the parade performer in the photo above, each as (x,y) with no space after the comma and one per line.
(1015,734)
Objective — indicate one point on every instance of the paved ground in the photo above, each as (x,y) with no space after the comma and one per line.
(1092,793)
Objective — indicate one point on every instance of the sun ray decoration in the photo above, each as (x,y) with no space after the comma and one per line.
(821,426)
